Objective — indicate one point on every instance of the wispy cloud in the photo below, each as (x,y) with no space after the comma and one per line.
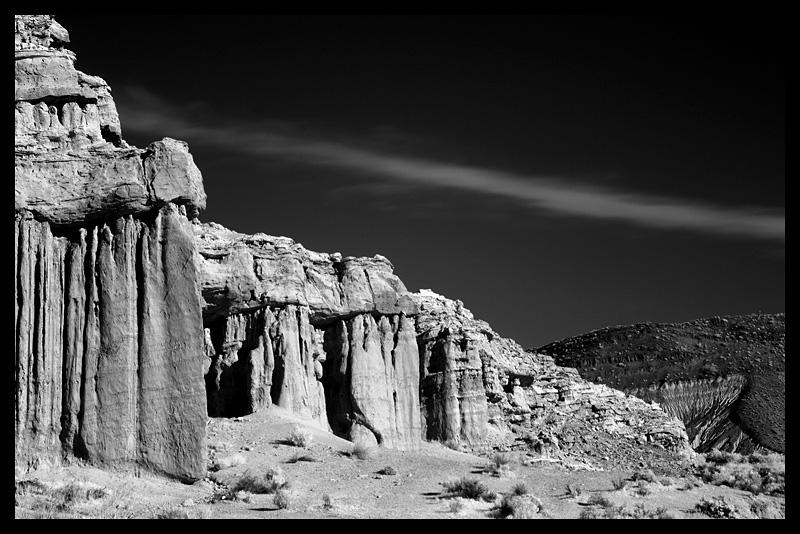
(556,195)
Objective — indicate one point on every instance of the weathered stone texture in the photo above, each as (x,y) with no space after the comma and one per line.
(239,272)
(371,381)
(107,343)
(108,324)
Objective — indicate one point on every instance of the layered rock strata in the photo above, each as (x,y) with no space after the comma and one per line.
(108,327)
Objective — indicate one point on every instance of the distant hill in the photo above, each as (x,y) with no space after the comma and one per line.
(724,377)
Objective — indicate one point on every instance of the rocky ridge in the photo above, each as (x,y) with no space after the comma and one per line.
(134,320)
(724,377)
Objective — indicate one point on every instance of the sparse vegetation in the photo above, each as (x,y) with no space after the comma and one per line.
(61,501)
(359,451)
(644,474)
(388,470)
(518,507)
(519,489)
(468,488)
(756,473)
(270,482)
(598,499)
(327,503)
(643,489)
(718,508)
(573,490)
(301,437)
(173,512)
(602,508)
(500,466)
(281,499)
(457,505)
(619,483)
(299,457)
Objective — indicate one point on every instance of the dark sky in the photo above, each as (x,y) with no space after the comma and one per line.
(557,174)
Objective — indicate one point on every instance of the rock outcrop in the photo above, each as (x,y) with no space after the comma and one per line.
(316,333)
(108,327)
(484,392)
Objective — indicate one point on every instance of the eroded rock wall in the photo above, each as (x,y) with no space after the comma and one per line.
(108,324)
(107,343)
(372,380)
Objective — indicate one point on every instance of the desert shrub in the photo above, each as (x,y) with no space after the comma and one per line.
(619,483)
(598,499)
(388,470)
(327,503)
(640,511)
(589,513)
(500,466)
(54,501)
(172,513)
(718,508)
(690,482)
(519,489)
(721,457)
(573,490)
(360,451)
(644,474)
(643,489)
(469,488)
(500,459)
(756,474)
(301,437)
(620,512)
(243,496)
(298,457)
(271,481)
(281,499)
(765,509)
(518,507)
(457,505)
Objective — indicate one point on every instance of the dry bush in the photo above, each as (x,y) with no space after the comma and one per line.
(758,473)
(457,505)
(468,488)
(270,482)
(644,474)
(619,483)
(281,499)
(718,508)
(360,451)
(519,507)
(301,437)
(573,490)
(388,470)
(59,501)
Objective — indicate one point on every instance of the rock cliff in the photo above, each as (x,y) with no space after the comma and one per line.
(107,313)
(134,320)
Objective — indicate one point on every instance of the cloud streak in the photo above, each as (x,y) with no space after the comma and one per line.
(555,195)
